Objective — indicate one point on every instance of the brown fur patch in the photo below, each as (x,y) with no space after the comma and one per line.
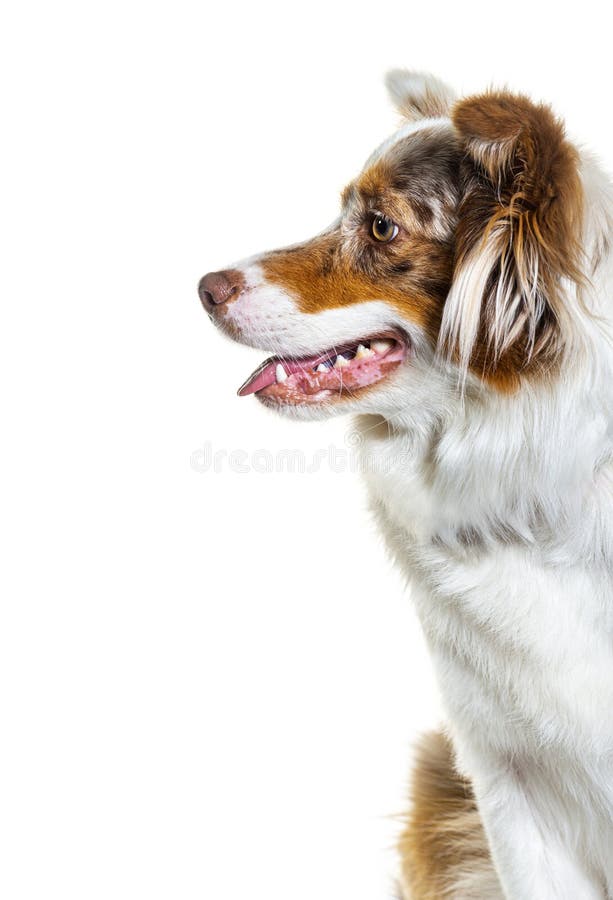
(415,185)
(443,839)
(523,204)
(323,274)
(374,181)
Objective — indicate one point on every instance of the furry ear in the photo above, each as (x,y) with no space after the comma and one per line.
(518,256)
(417,95)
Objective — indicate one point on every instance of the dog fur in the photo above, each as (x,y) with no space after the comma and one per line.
(493,475)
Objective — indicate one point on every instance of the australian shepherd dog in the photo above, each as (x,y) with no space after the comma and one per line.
(461,306)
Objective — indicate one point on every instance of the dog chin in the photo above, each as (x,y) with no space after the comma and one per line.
(304,413)
(315,412)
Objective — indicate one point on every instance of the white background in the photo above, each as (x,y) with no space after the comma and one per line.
(209,681)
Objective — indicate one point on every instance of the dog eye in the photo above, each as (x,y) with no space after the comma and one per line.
(383,229)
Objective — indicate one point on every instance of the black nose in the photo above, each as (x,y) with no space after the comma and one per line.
(219,287)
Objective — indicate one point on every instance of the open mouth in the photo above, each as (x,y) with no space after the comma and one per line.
(344,370)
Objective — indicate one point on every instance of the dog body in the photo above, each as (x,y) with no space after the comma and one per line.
(464,296)
(520,634)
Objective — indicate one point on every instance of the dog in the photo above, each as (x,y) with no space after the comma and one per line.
(461,308)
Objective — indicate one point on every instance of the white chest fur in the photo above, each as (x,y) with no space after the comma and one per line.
(518,616)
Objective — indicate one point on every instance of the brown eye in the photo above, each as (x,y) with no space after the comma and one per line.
(383,229)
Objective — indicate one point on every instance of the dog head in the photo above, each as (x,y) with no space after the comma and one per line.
(456,259)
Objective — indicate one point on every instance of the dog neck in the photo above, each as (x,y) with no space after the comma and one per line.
(495,469)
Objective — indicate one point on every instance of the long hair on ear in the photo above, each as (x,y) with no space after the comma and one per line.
(518,270)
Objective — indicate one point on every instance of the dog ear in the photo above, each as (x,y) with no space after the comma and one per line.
(417,95)
(518,252)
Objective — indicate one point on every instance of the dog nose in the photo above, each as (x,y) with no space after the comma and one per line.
(218,287)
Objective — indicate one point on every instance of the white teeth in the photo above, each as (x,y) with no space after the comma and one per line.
(341,362)
(280,373)
(322,367)
(363,352)
(381,346)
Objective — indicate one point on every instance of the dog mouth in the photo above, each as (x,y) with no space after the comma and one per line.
(344,370)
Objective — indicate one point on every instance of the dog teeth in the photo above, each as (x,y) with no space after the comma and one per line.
(381,346)
(322,367)
(280,373)
(341,362)
(363,352)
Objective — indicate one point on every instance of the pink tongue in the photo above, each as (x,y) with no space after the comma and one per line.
(266,374)
(261,378)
